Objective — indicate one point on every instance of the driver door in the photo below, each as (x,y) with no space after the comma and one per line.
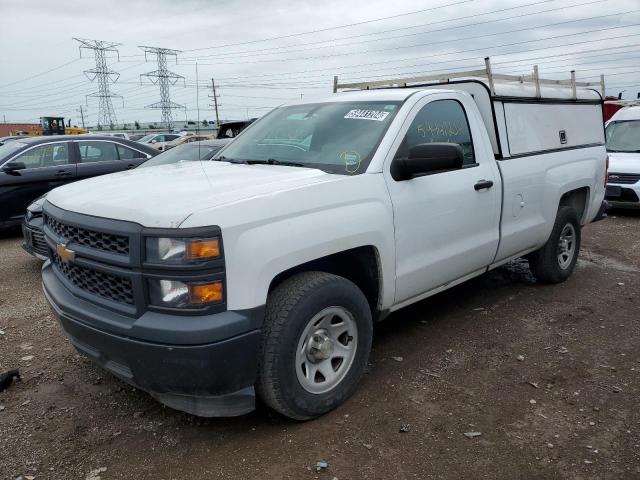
(445,227)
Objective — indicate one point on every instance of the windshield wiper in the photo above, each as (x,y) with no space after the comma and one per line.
(269,161)
(273,161)
(230,160)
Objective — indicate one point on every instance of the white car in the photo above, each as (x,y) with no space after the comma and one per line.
(206,283)
(623,145)
(159,140)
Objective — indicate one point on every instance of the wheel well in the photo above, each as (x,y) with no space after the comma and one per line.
(577,199)
(359,265)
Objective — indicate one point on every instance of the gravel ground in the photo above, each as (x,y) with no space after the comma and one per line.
(548,375)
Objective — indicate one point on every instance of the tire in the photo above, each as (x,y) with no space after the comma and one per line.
(553,263)
(291,354)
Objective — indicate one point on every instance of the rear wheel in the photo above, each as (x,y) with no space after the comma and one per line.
(316,342)
(555,261)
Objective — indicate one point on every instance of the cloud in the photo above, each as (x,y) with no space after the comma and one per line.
(223,37)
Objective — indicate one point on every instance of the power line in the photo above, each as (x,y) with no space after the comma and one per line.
(270,51)
(429,44)
(527,61)
(292,35)
(26,79)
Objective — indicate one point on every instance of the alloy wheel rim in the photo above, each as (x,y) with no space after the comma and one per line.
(326,350)
(566,246)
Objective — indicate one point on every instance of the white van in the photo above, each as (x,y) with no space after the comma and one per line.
(623,146)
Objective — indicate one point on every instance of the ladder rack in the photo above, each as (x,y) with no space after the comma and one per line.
(486,73)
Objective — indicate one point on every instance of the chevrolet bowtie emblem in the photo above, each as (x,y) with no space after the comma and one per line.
(65,254)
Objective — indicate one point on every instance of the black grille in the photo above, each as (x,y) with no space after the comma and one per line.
(38,244)
(90,238)
(624,178)
(111,287)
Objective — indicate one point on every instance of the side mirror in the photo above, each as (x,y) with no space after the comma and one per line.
(154,141)
(426,159)
(14,166)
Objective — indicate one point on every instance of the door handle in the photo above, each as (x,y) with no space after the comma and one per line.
(482,184)
(130,166)
(63,173)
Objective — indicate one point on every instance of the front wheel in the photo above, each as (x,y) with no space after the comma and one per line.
(555,261)
(316,341)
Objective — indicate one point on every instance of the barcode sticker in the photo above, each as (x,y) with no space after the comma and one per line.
(376,115)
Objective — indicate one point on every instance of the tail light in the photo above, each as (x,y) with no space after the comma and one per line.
(606,172)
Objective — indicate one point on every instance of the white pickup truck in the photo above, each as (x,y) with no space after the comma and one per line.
(262,271)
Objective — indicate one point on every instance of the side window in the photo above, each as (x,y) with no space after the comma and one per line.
(125,153)
(97,151)
(50,155)
(442,121)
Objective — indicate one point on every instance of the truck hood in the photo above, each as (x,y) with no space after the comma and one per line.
(164,196)
(620,162)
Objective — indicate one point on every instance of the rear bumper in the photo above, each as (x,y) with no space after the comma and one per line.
(209,379)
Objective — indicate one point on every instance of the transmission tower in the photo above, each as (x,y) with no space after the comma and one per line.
(163,78)
(104,75)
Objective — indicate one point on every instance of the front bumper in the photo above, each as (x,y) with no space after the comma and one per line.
(211,377)
(33,238)
(623,195)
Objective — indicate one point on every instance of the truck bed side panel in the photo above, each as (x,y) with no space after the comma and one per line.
(533,186)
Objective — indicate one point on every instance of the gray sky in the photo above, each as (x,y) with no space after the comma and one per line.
(228,41)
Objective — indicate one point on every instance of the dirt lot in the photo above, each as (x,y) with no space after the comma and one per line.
(547,374)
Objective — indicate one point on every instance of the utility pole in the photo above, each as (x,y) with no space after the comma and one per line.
(104,75)
(82,115)
(163,78)
(215,101)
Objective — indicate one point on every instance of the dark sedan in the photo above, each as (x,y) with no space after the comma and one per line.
(30,167)
(34,242)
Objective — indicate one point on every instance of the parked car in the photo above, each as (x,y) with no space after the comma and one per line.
(158,140)
(186,139)
(623,145)
(233,129)
(264,269)
(32,166)
(115,134)
(134,137)
(33,241)
(32,227)
(11,138)
(204,150)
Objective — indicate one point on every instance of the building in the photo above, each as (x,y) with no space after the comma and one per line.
(7,129)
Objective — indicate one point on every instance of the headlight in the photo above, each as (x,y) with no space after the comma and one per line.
(177,294)
(182,251)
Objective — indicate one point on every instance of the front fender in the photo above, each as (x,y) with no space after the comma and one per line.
(267,235)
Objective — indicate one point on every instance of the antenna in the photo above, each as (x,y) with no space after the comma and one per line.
(104,75)
(163,78)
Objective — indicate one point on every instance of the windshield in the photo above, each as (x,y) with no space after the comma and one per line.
(9,148)
(623,136)
(146,138)
(188,152)
(339,137)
